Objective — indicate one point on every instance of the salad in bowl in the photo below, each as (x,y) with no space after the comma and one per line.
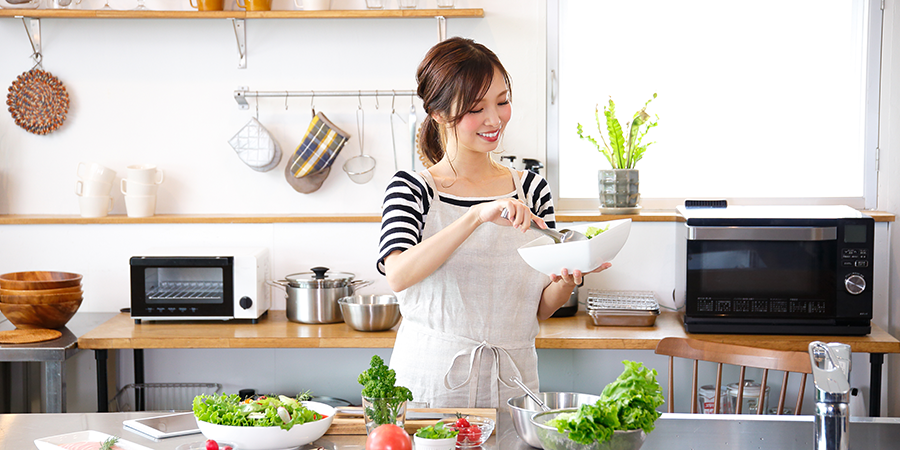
(261,423)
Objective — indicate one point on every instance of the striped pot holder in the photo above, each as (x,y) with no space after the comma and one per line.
(321,145)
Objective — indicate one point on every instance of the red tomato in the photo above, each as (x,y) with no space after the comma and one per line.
(469,434)
(211,445)
(462,422)
(388,437)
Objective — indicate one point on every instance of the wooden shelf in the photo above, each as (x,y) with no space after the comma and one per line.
(330,14)
(565,216)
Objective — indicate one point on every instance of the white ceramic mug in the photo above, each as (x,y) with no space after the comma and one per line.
(140,205)
(314,5)
(95,205)
(145,173)
(131,187)
(64,4)
(92,188)
(95,172)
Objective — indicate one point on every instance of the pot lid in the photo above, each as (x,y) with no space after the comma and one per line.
(319,278)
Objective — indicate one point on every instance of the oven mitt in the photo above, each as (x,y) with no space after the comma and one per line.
(309,183)
(256,147)
(320,146)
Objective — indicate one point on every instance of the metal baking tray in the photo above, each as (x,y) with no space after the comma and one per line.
(624,318)
(622,308)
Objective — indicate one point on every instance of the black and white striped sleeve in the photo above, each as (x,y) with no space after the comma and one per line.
(537,192)
(406,202)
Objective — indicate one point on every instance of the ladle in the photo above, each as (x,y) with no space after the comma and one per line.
(360,168)
(530,394)
(559,237)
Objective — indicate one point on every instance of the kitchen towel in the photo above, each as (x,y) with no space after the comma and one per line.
(256,147)
(321,145)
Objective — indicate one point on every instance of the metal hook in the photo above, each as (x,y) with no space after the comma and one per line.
(312,104)
(393,97)
(257,105)
(359,97)
(376,98)
(285,100)
(34,36)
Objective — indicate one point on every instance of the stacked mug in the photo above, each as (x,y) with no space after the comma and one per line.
(140,188)
(93,187)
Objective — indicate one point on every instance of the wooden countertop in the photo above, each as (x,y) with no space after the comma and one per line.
(576,332)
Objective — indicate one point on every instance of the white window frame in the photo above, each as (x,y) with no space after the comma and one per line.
(870,176)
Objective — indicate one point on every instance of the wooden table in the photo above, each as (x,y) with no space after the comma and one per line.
(576,332)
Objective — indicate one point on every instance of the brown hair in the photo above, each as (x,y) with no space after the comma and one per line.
(455,72)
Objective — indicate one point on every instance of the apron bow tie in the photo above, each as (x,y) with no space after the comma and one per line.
(475,354)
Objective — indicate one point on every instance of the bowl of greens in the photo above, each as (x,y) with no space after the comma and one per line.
(605,241)
(261,423)
(620,420)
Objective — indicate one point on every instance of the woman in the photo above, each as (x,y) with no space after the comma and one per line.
(470,304)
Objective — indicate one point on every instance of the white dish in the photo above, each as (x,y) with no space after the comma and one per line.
(161,427)
(549,258)
(55,442)
(271,438)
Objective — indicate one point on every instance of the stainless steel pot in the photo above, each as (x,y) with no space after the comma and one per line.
(312,297)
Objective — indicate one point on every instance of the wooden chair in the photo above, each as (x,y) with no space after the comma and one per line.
(738,355)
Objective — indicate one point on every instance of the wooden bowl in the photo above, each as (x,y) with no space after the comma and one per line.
(40,299)
(64,290)
(39,280)
(55,315)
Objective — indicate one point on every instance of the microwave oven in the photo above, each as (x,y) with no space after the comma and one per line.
(775,269)
(200,284)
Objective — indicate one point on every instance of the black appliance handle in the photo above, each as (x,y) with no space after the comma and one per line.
(743,233)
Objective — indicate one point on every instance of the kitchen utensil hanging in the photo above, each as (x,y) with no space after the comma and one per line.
(360,168)
(255,146)
(37,100)
(393,139)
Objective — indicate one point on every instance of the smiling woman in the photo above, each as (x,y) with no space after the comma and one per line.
(767,102)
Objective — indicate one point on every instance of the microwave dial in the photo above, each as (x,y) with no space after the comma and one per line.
(855,283)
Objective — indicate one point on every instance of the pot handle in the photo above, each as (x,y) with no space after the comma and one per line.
(356,284)
(278,283)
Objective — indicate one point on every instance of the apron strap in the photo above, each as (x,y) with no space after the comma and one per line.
(475,355)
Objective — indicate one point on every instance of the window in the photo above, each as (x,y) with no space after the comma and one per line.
(762,101)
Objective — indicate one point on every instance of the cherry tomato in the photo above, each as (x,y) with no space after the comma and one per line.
(469,434)
(211,445)
(388,437)
(462,422)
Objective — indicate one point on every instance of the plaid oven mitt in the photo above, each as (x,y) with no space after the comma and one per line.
(321,145)
(256,147)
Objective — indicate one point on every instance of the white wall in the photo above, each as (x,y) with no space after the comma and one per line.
(160,91)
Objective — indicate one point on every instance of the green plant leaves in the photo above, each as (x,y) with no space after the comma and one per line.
(622,152)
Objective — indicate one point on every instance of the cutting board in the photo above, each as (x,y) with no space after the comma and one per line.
(355,425)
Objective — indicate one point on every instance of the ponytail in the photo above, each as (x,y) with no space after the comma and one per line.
(431,144)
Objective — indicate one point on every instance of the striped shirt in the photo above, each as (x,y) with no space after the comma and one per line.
(408,198)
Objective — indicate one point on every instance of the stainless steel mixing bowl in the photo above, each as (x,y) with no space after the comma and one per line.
(522,408)
(370,312)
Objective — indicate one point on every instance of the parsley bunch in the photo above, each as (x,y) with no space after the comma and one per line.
(378,383)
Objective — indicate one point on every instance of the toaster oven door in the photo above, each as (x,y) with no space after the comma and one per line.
(182,288)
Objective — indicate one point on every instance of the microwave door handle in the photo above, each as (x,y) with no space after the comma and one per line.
(741,233)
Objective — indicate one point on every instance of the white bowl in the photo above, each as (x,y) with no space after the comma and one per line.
(549,258)
(271,438)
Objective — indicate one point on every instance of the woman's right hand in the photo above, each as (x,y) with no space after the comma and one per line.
(518,216)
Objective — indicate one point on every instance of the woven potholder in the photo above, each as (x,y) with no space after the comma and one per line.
(28,336)
(256,147)
(38,101)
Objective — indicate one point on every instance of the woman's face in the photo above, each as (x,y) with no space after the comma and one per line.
(480,129)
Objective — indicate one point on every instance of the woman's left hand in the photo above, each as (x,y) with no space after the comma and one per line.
(576,276)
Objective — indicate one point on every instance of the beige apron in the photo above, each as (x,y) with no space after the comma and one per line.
(469,327)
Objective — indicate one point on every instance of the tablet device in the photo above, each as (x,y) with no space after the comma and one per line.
(161,427)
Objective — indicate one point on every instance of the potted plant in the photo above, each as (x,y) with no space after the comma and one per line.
(435,437)
(619,186)
(382,401)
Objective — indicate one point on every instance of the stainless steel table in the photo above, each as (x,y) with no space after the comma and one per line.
(52,355)
(673,432)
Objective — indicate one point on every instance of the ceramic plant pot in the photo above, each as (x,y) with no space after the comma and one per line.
(619,188)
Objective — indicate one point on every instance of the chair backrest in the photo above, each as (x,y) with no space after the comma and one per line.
(738,355)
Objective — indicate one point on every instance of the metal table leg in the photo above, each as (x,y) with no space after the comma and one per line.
(875,362)
(102,394)
(55,382)
(139,380)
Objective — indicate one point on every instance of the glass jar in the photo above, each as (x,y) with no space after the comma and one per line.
(379,411)
(750,400)
(707,399)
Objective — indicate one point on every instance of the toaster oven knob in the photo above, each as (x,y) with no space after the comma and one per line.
(246,302)
(855,283)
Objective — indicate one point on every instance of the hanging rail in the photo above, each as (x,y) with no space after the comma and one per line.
(242,93)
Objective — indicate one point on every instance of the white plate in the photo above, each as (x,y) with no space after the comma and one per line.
(54,442)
